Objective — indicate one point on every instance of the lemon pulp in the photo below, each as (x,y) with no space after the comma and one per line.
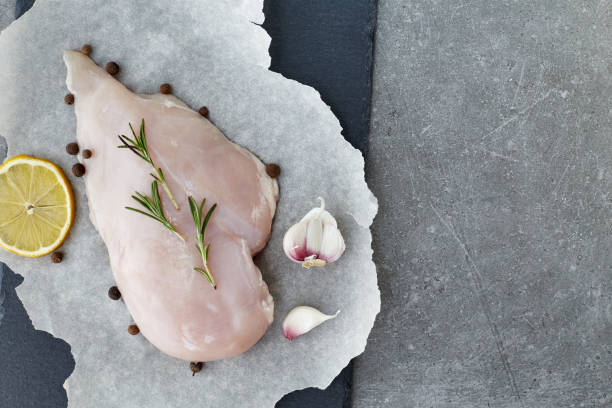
(36,206)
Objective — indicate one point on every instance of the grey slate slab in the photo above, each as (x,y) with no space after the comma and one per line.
(491,154)
(325,45)
(7,13)
(34,364)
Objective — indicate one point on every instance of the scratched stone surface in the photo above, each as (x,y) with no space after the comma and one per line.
(491,153)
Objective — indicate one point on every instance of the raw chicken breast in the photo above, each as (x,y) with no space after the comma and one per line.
(174,306)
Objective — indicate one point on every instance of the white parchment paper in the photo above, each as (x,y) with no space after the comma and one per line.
(214,54)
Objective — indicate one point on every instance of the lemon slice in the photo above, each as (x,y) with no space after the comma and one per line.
(36,206)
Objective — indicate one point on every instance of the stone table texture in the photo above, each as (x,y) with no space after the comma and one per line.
(491,155)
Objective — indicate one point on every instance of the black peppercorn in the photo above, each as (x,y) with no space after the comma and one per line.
(273,170)
(57,257)
(133,329)
(87,154)
(203,111)
(165,89)
(195,367)
(72,148)
(69,99)
(78,170)
(114,293)
(86,49)
(112,68)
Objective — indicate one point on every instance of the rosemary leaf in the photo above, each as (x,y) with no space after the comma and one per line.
(196,214)
(154,206)
(141,212)
(208,276)
(138,146)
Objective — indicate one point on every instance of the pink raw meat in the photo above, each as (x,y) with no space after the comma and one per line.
(174,306)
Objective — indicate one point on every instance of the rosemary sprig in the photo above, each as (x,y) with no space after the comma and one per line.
(154,206)
(196,213)
(138,146)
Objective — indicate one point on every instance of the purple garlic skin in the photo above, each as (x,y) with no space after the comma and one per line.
(315,240)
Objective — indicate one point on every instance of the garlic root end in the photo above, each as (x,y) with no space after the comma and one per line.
(313,262)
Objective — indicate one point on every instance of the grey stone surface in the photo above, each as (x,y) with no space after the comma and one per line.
(491,155)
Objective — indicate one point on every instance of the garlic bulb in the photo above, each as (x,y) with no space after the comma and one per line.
(315,240)
(303,319)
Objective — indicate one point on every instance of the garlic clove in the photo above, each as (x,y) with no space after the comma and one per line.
(294,242)
(303,319)
(333,243)
(315,240)
(314,235)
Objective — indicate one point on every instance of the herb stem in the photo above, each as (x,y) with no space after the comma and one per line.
(179,235)
(196,214)
(165,186)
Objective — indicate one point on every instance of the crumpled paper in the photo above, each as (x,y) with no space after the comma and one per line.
(214,53)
